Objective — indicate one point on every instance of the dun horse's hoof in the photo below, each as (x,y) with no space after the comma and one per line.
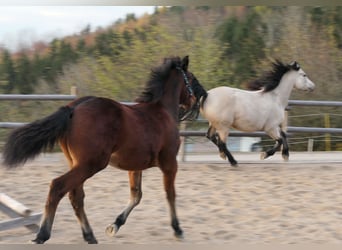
(263,155)
(93,241)
(223,155)
(36,241)
(286,157)
(111,230)
(179,234)
(234,164)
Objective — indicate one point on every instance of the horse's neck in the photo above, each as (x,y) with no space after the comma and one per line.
(283,91)
(170,100)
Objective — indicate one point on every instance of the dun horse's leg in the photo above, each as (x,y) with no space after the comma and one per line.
(169,185)
(214,139)
(76,197)
(271,151)
(136,194)
(58,188)
(212,136)
(285,151)
(223,148)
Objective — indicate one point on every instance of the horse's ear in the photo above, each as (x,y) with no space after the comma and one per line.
(294,65)
(185,63)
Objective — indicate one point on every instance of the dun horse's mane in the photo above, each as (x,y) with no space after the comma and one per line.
(271,79)
(154,86)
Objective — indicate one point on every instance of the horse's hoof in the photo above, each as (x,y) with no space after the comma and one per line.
(36,241)
(263,155)
(286,157)
(93,241)
(179,234)
(111,230)
(234,164)
(223,155)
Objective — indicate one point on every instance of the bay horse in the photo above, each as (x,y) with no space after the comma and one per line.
(94,132)
(259,109)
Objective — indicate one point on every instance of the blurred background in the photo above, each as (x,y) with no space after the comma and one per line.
(227,46)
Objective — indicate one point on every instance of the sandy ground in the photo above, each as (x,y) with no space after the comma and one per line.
(254,203)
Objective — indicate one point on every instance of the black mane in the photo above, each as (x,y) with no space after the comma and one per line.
(154,86)
(271,79)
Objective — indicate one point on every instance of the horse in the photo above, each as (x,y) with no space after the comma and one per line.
(261,108)
(94,132)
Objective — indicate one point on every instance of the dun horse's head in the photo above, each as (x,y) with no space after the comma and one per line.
(302,82)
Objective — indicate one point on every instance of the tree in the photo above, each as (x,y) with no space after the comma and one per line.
(25,77)
(244,37)
(8,74)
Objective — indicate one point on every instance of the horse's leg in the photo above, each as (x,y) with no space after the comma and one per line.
(222,138)
(58,188)
(219,141)
(76,197)
(169,170)
(275,134)
(136,194)
(272,151)
(285,150)
(212,136)
(223,148)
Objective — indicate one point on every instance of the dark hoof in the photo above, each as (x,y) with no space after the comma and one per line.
(234,164)
(179,234)
(89,238)
(93,241)
(37,241)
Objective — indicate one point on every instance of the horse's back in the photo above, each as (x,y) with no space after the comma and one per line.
(241,109)
(218,103)
(127,136)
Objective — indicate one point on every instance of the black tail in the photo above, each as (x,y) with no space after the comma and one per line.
(28,141)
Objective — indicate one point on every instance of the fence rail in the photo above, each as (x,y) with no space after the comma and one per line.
(314,103)
(261,133)
(14,97)
(186,133)
(38,97)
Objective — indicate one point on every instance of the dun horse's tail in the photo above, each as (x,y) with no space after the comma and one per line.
(204,97)
(29,141)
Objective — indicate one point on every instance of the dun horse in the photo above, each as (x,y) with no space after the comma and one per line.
(94,132)
(249,111)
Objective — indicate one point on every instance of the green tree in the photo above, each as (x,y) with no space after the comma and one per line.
(328,17)
(25,76)
(8,76)
(244,37)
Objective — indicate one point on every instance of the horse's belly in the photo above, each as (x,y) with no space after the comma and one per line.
(248,125)
(132,162)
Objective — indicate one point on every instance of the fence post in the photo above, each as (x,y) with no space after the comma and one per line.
(327,136)
(73,90)
(310,145)
(182,150)
(285,121)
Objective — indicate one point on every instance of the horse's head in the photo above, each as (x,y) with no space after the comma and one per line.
(191,93)
(302,82)
(160,88)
